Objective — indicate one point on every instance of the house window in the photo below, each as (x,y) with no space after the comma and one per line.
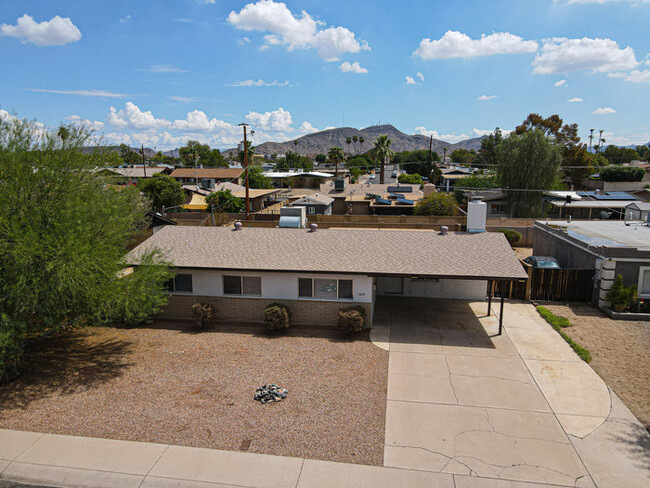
(644,281)
(325,289)
(181,283)
(242,285)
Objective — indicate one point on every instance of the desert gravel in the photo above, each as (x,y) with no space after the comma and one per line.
(619,351)
(169,384)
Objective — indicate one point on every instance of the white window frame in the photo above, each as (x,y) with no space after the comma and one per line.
(313,280)
(642,271)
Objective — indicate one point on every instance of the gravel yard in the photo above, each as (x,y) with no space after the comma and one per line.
(619,351)
(173,385)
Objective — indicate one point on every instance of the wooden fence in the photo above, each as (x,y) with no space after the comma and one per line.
(571,285)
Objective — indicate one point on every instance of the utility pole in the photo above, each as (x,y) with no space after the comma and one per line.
(244,125)
(144,166)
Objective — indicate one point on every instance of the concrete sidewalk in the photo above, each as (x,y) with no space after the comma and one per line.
(58,460)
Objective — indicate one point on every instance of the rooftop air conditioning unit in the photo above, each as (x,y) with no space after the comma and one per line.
(476,215)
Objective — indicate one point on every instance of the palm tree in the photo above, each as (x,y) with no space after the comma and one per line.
(355,139)
(382,153)
(361,141)
(348,141)
(335,155)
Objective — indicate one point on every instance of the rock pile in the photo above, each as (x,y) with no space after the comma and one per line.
(270,393)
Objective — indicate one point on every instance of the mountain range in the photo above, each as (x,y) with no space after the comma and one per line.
(322,141)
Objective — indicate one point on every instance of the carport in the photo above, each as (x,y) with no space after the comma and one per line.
(465,275)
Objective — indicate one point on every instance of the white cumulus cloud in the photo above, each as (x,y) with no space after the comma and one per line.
(561,55)
(637,76)
(575,100)
(54,32)
(604,111)
(454,44)
(355,67)
(295,32)
(133,118)
(487,97)
(278,120)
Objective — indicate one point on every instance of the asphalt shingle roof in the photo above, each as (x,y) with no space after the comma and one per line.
(417,253)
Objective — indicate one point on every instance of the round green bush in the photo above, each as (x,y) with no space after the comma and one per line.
(512,235)
(277,317)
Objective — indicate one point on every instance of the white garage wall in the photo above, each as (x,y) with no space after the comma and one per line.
(275,285)
(454,289)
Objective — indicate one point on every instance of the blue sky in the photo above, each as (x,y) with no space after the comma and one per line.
(162,72)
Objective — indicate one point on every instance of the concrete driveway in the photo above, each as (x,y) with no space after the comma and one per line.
(521,406)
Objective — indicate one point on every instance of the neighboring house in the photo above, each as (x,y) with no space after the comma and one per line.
(609,247)
(316,204)
(637,211)
(299,179)
(452,174)
(315,273)
(134,173)
(372,199)
(603,205)
(259,198)
(208,175)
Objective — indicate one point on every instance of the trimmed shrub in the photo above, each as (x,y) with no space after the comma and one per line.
(277,317)
(512,235)
(351,319)
(620,296)
(11,349)
(621,173)
(202,313)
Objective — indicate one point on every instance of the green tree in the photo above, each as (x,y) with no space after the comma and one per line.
(128,155)
(256,178)
(463,156)
(196,153)
(382,153)
(437,204)
(163,191)
(528,165)
(224,201)
(64,235)
(415,179)
(487,155)
(335,155)
(620,155)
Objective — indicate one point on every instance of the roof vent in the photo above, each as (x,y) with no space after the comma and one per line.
(237,225)
(444,230)
(313,227)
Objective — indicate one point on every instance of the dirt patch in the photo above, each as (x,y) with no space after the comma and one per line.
(196,389)
(619,351)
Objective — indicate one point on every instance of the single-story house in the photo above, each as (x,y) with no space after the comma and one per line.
(316,204)
(133,173)
(316,272)
(259,198)
(372,199)
(608,246)
(208,175)
(637,211)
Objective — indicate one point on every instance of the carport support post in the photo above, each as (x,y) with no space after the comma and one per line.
(501,312)
(490,290)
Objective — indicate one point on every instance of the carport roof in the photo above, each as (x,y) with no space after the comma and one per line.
(353,251)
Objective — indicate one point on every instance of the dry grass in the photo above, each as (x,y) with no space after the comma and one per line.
(619,351)
(175,386)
